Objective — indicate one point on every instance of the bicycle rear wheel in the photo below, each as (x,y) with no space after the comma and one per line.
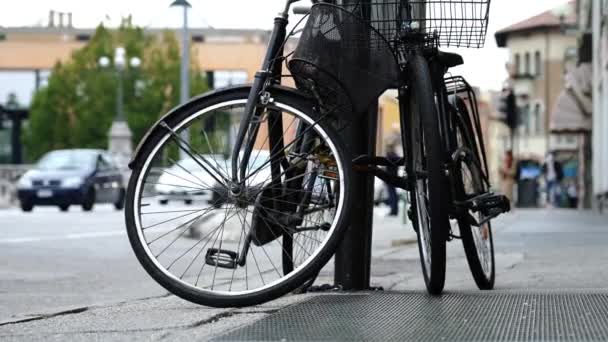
(231,249)
(425,170)
(476,239)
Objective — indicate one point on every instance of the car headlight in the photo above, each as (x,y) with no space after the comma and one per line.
(24,183)
(71,182)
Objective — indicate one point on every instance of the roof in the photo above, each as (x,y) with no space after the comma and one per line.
(542,21)
(572,112)
(153,30)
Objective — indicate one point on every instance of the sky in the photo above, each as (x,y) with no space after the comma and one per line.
(484,68)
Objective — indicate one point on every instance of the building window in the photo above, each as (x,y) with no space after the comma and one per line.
(224,78)
(198,38)
(537,121)
(19,84)
(570,139)
(538,64)
(527,64)
(83,37)
(525,119)
(517,64)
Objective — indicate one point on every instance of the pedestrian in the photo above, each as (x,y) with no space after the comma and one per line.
(393,158)
(507,175)
(553,173)
(572,193)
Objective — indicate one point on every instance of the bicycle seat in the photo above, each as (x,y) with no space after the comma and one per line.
(449,59)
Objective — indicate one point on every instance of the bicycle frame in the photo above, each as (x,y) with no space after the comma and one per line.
(271,70)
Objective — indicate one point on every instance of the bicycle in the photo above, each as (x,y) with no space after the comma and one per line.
(270,162)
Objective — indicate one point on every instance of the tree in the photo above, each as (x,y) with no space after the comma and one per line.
(77,106)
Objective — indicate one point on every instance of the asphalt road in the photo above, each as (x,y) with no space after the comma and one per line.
(53,261)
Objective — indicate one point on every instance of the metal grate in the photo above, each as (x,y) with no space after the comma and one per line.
(488,316)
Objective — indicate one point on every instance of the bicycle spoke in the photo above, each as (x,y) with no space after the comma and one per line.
(190,173)
(183,241)
(179,141)
(176,218)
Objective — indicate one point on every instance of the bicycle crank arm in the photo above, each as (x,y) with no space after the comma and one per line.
(396,181)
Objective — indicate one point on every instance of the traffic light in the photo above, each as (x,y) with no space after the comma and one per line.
(508,106)
(2,117)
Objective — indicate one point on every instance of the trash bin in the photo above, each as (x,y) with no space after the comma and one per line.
(528,174)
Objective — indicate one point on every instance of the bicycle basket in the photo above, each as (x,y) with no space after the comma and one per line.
(342,60)
(456,23)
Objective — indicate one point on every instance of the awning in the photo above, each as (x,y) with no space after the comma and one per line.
(572,112)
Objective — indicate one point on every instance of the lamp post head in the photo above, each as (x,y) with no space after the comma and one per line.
(135,62)
(183,3)
(104,61)
(119,57)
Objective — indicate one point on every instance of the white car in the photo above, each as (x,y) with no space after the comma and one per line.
(187,181)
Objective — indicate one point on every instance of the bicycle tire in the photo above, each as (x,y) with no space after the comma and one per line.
(425,141)
(288,282)
(484,273)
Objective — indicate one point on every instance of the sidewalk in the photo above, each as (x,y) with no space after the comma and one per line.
(395,266)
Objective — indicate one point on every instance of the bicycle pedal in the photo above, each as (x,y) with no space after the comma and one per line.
(221,258)
(487,202)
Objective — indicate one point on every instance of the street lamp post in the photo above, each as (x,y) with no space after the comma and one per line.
(185,64)
(119,143)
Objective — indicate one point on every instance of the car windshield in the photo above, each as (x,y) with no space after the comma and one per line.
(68,160)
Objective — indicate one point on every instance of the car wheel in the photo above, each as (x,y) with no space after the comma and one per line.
(64,207)
(188,201)
(163,202)
(89,200)
(120,204)
(27,206)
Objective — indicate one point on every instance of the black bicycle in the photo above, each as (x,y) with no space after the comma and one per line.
(269,177)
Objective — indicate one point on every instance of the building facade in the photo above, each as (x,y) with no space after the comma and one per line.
(541,52)
(593,38)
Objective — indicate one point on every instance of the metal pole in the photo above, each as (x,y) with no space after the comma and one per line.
(120,115)
(353,257)
(185,75)
(17,155)
(596,96)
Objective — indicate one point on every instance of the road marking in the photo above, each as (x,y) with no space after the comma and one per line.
(78,236)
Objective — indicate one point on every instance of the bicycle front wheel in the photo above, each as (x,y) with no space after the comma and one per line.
(247,243)
(426,173)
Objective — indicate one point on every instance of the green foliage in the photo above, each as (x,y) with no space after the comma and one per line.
(78,105)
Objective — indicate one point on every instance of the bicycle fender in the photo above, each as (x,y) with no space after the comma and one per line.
(195,101)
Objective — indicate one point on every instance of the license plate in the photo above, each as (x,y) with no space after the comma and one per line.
(44,193)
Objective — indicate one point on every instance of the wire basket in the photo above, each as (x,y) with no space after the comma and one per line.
(342,60)
(455,23)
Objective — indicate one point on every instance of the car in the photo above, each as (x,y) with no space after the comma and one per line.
(72,177)
(187,181)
